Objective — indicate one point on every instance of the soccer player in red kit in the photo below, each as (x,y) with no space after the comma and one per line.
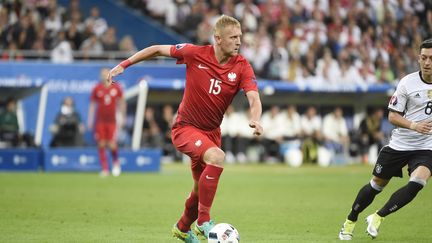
(214,75)
(107,98)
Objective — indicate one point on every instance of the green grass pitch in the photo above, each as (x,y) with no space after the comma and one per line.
(267,203)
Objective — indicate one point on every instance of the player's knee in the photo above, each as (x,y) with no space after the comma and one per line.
(214,156)
(378,183)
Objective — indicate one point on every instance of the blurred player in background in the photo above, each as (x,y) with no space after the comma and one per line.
(410,109)
(108,99)
(214,75)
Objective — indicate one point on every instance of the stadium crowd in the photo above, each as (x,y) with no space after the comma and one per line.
(318,42)
(46,30)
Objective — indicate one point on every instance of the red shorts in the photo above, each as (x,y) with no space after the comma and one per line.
(105,131)
(195,142)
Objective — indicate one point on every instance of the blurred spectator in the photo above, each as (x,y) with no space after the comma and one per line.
(75,19)
(68,128)
(248,14)
(311,127)
(335,132)
(163,11)
(42,37)
(277,65)
(127,45)
(4,25)
(205,28)
(72,9)
(370,133)
(95,22)
(74,35)
(39,50)
(53,23)
(22,33)
(151,132)
(109,40)
(12,53)
(62,52)
(9,128)
(328,67)
(273,136)
(289,121)
(257,48)
(165,125)
(53,6)
(92,47)
(227,137)
(42,6)
(383,72)
(349,74)
(190,25)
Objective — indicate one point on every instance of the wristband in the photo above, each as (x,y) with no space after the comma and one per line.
(413,125)
(126,63)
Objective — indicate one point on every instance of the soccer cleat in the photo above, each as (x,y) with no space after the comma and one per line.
(346,233)
(203,231)
(188,237)
(116,170)
(373,221)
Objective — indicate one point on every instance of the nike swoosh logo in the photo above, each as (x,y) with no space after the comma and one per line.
(202,67)
(209,177)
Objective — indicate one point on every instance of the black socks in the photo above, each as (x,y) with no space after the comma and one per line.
(400,198)
(364,198)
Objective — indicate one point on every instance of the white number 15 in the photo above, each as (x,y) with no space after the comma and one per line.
(215,87)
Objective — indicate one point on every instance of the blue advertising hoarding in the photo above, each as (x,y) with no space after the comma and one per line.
(20,159)
(86,159)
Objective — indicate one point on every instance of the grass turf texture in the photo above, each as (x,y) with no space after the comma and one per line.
(267,203)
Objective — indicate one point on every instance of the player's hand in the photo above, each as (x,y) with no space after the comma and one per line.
(424,127)
(258,130)
(112,73)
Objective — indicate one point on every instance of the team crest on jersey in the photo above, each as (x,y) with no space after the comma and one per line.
(378,168)
(180,46)
(429,94)
(393,101)
(232,76)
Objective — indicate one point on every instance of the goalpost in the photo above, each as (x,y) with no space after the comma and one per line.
(141,91)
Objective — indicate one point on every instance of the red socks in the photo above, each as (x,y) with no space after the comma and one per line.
(207,186)
(190,213)
(114,154)
(103,159)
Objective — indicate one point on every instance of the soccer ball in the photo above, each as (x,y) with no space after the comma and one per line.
(223,233)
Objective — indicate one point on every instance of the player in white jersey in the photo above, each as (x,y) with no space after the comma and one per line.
(410,110)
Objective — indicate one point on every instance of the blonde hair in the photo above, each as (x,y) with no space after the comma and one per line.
(223,22)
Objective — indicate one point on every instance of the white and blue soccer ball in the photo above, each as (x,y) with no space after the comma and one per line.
(223,233)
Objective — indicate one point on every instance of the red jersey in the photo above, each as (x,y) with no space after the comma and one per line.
(210,87)
(106,98)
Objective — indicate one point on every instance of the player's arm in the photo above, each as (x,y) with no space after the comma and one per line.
(397,119)
(255,111)
(90,115)
(144,54)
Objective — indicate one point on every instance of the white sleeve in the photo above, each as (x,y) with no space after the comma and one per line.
(399,99)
